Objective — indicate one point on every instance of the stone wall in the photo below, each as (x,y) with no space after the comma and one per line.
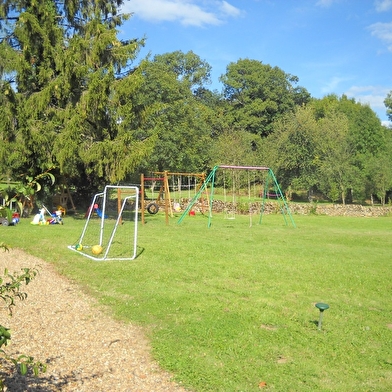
(339,209)
(298,208)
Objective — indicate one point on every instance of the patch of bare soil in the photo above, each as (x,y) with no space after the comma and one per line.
(84,349)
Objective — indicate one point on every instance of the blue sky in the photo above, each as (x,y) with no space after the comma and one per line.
(333,46)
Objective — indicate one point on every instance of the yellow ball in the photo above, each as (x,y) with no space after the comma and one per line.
(79,247)
(97,249)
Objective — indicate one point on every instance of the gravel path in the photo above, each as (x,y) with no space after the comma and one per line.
(84,349)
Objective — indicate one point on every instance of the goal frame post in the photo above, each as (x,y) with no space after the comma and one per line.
(105,255)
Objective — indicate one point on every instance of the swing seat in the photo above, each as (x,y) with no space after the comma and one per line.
(229,214)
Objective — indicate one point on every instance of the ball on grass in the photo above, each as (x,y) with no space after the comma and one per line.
(97,249)
(79,247)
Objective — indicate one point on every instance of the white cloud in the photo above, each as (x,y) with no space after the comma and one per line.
(326,3)
(383,31)
(229,9)
(373,96)
(383,5)
(333,85)
(187,12)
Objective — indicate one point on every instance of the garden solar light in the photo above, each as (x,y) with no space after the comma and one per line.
(321,306)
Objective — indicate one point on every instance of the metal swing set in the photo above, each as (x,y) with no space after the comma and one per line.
(229,210)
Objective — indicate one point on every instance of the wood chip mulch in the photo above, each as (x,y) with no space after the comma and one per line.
(84,349)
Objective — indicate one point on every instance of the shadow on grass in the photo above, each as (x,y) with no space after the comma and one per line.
(139,251)
(315,322)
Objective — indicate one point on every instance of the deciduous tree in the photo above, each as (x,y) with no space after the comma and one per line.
(178,117)
(379,170)
(388,105)
(258,94)
(292,148)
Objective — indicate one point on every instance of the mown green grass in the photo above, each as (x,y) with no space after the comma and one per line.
(232,306)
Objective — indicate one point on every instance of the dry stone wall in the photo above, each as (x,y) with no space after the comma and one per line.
(299,208)
(340,210)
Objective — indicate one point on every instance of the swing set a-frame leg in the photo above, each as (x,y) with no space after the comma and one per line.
(284,208)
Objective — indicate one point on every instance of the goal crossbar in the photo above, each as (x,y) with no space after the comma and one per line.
(129,229)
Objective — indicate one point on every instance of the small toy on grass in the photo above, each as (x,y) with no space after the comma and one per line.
(7,217)
(96,249)
(79,247)
(55,217)
(39,219)
(15,218)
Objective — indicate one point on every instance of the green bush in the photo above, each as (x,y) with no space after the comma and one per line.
(10,290)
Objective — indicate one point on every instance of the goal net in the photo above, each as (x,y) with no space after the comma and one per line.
(110,231)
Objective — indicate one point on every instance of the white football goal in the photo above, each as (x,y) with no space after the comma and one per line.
(110,231)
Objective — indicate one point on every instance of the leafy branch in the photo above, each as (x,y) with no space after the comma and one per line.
(27,188)
(10,286)
(10,290)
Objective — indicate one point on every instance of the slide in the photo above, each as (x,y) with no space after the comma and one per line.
(99,212)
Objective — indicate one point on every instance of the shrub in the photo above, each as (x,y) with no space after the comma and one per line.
(10,290)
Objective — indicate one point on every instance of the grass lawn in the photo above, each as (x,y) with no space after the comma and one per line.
(231,307)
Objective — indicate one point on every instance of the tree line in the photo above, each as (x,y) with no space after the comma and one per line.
(77,101)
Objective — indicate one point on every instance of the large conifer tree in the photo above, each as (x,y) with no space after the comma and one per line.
(65,83)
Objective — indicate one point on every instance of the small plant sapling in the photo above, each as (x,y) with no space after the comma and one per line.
(24,191)
(10,290)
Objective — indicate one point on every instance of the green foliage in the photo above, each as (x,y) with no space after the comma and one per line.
(72,99)
(336,152)
(320,146)
(291,148)
(10,285)
(259,94)
(179,120)
(235,148)
(364,127)
(72,106)
(22,192)
(188,68)
(10,290)
(5,336)
(379,171)
(313,208)
(388,105)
